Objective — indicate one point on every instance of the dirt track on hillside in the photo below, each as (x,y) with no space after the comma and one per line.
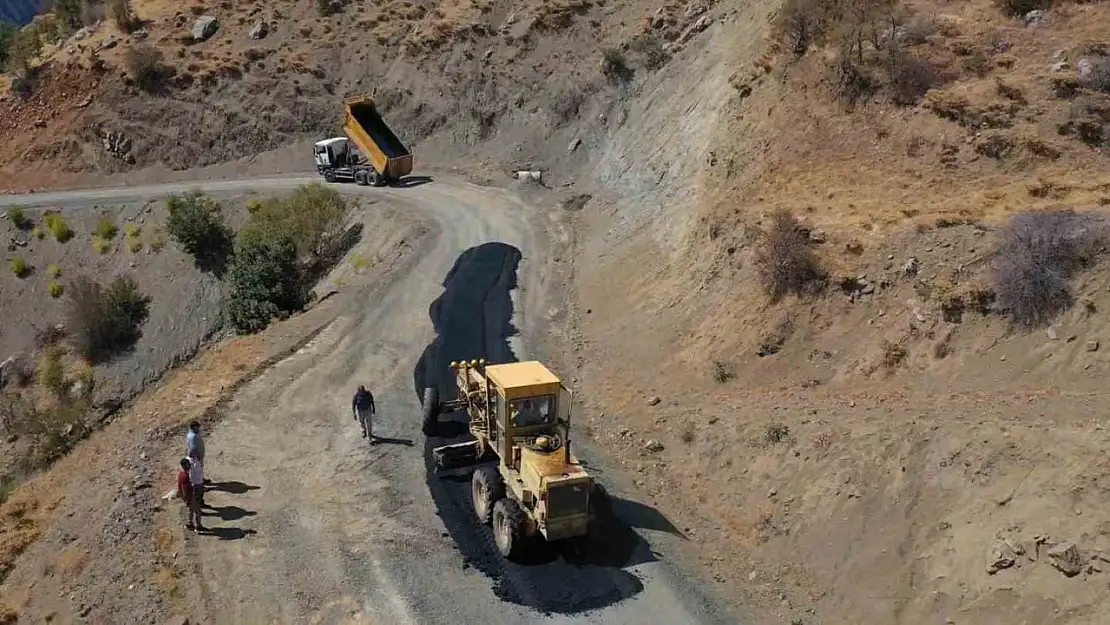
(312,524)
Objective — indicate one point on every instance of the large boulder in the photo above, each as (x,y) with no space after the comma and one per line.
(205,27)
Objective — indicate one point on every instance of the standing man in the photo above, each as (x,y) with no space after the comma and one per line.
(363,406)
(196,478)
(194,443)
(186,493)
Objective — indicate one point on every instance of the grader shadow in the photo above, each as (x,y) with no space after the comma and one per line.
(473,319)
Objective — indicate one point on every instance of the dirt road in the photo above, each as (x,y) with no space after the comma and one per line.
(313,524)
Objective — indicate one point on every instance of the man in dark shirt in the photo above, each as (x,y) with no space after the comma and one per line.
(188,495)
(363,407)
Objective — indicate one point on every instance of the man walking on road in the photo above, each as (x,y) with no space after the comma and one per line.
(194,444)
(363,407)
(188,495)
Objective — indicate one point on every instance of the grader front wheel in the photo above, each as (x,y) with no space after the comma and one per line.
(508,529)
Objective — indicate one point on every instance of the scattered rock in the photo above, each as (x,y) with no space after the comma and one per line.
(1092,346)
(574,145)
(532,175)
(140,34)
(1059,66)
(1035,18)
(1066,558)
(911,266)
(653,445)
(108,43)
(654,401)
(259,31)
(817,236)
(771,493)
(205,27)
(1084,68)
(1000,558)
(1050,332)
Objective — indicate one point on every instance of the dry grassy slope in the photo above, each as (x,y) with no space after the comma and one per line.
(886,489)
(517,77)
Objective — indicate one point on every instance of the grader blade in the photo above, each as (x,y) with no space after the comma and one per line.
(457,456)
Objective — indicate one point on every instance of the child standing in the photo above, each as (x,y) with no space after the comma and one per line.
(185,491)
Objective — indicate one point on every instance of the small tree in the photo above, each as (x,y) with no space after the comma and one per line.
(8,32)
(69,14)
(264,279)
(785,262)
(196,222)
(122,14)
(23,46)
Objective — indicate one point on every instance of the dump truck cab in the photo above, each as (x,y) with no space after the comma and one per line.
(520,417)
(329,153)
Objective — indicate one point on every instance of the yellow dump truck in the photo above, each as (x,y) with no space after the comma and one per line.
(377,157)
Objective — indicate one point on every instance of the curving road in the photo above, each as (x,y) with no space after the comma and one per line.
(315,525)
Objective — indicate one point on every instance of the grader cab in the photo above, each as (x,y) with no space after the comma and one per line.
(519,416)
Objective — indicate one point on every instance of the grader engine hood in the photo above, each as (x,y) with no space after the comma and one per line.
(564,491)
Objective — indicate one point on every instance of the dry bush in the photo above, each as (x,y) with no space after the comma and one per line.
(1021,7)
(105,321)
(918,30)
(51,431)
(122,14)
(1037,253)
(785,262)
(1099,77)
(1088,121)
(649,49)
(909,77)
(893,355)
(144,64)
(614,66)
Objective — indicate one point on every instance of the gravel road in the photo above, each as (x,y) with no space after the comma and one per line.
(313,524)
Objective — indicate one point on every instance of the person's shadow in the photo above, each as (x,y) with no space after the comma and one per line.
(381,440)
(234,488)
(228,533)
(229,513)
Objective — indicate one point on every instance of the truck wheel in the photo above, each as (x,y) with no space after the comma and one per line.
(329,176)
(431,410)
(378,180)
(360,178)
(508,528)
(486,489)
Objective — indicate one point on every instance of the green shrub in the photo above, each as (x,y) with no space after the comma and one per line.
(311,216)
(19,267)
(104,321)
(53,271)
(38,233)
(55,289)
(58,227)
(101,246)
(18,217)
(263,278)
(131,230)
(50,370)
(196,222)
(105,229)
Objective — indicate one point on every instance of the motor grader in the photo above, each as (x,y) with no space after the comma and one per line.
(527,481)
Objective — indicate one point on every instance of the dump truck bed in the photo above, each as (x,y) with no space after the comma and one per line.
(366,128)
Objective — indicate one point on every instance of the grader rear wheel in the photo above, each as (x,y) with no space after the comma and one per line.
(431,411)
(486,489)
